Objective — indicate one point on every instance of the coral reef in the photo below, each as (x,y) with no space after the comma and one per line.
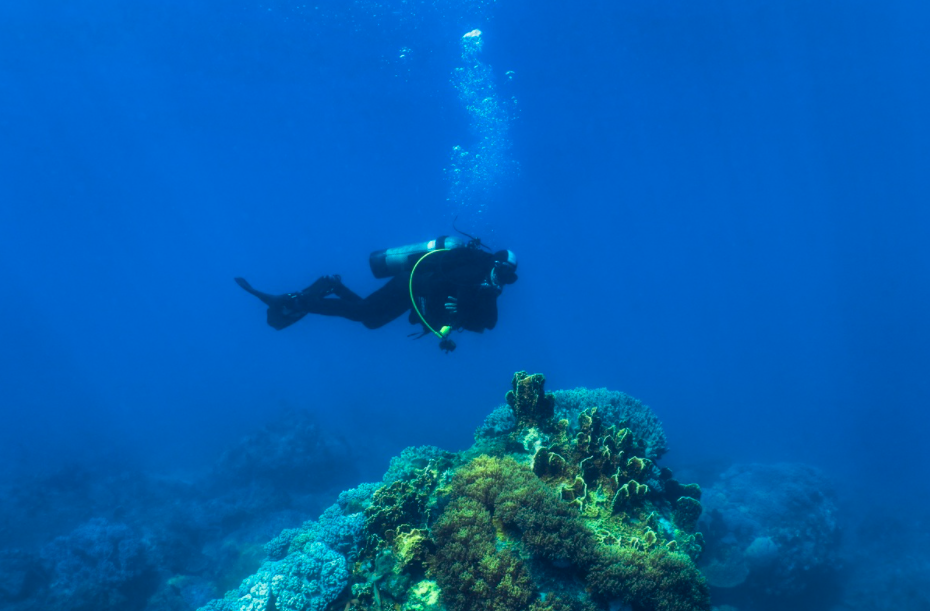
(410,461)
(541,514)
(307,567)
(340,527)
(655,579)
(17,569)
(615,407)
(769,528)
(471,572)
(100,565)
(498,422)
(305,580)
(888,560)
(168,544)
(560,505)
(289,453)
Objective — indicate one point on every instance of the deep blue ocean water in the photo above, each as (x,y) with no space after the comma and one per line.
(720,208)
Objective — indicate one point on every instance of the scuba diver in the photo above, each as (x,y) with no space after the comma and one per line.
(446,284)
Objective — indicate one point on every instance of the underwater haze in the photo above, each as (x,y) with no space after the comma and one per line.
(719,208)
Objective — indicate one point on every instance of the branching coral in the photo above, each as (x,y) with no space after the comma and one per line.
(525,506)
(657,579)
(555,602)
(472,572)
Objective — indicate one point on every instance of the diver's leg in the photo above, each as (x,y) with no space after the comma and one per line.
(295,306)
(376,310)
(284,310)
(387,303)
(321,287)
(343,292)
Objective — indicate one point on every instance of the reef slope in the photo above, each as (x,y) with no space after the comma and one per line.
(559,505)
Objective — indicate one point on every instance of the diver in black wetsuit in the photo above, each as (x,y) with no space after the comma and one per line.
(446,285)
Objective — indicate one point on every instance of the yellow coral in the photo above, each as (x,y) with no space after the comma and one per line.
(650,538)
(577,491)
(423,596)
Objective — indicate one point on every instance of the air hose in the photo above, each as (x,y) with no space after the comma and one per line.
(444,331)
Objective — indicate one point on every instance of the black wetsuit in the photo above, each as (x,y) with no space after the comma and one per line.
(461,273)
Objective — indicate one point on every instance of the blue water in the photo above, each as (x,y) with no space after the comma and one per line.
(719,208)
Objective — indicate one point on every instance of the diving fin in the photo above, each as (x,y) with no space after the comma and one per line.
(266,298)
(281,308)
(282,317)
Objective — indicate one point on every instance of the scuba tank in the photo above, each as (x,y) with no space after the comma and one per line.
(400,260)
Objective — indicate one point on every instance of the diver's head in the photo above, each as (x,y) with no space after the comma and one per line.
(505,268)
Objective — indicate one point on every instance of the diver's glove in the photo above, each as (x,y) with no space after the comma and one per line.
(447,345)
(452,305)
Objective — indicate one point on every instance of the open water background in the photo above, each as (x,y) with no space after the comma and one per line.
(719,208)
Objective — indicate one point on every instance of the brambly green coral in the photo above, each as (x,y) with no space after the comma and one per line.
(545,515)
(656,579)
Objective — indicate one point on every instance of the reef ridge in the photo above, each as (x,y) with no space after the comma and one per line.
(559,505)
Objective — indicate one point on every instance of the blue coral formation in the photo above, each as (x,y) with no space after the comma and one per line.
(887,561)
(100,565)
(499,422)
(307,567)
(291,453)
(165,543)
(770,528)
(306,580)
(411,461)
(615,407)
(17,569)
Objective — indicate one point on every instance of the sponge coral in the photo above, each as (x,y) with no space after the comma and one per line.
(531,405)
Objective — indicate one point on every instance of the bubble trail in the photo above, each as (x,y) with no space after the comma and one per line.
(476,173)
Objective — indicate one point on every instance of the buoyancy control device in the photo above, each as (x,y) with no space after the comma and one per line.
(401,259)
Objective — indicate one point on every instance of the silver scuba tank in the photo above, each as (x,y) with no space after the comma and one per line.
(400,260)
